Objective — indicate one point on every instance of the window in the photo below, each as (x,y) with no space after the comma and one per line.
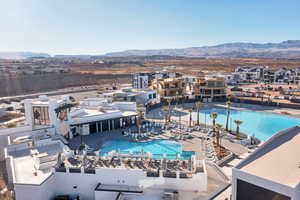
(210,84)
(40,115)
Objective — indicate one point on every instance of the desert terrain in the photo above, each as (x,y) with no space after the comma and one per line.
(110,70)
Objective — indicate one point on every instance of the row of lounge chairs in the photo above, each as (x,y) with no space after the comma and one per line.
(141,136)
(210,153)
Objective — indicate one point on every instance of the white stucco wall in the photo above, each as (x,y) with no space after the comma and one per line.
(85,184)
(36,192)
(101,195)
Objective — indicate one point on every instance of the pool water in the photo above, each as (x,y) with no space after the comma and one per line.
(262,125)
(156,147)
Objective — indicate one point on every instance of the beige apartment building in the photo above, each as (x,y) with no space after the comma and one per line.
(170,87)
(209,88)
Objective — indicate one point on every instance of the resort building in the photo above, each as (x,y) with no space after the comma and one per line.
(249,73)
(170,87)
(45,161)
(143,80)
(270,172)
(296,76)
(264,74)
(209,88)
(140,96)
(40,163)
(94,115)
(42,167)
(3,109)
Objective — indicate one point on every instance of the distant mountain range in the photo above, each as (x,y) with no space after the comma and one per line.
(285,49)
(21,55)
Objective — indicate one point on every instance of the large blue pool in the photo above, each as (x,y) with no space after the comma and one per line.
(262,125)
(156,147)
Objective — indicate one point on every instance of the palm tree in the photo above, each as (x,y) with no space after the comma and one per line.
(198,105)
(140,110)
(218,127)
(213,115)
(177,99)
(165,110)
(190,123)
(228,103)
(169,107)
(262,94)
(238,123)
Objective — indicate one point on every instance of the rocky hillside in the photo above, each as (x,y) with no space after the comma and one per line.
(286,49)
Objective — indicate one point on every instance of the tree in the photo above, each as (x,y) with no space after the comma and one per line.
(238,123)
(228,103)
(190,123)
(214,116)
(198,105)
(177,99)
(169,109)
(165,110)
(140,110)
(218,128)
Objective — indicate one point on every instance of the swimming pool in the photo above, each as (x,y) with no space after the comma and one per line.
(262,125)
(156,147)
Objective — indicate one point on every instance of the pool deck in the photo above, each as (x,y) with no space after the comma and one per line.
(195,143)
(96,140)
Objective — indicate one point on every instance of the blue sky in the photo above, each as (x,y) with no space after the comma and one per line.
(96,26)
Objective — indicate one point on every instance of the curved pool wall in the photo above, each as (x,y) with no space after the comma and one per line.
(262,125)
(158,148)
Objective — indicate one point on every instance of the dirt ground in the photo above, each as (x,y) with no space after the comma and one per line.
(186,65)
(112,70)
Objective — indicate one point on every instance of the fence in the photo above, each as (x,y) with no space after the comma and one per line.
(266,103)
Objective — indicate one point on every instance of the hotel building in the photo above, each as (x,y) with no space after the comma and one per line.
(41,165)
(143,80)
(170,87)
(209,88)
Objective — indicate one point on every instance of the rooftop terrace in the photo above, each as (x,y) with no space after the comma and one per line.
(169,168)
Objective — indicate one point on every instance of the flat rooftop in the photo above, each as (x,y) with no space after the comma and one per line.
(24,171)
(278,159)
(95,112)
(24,164)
